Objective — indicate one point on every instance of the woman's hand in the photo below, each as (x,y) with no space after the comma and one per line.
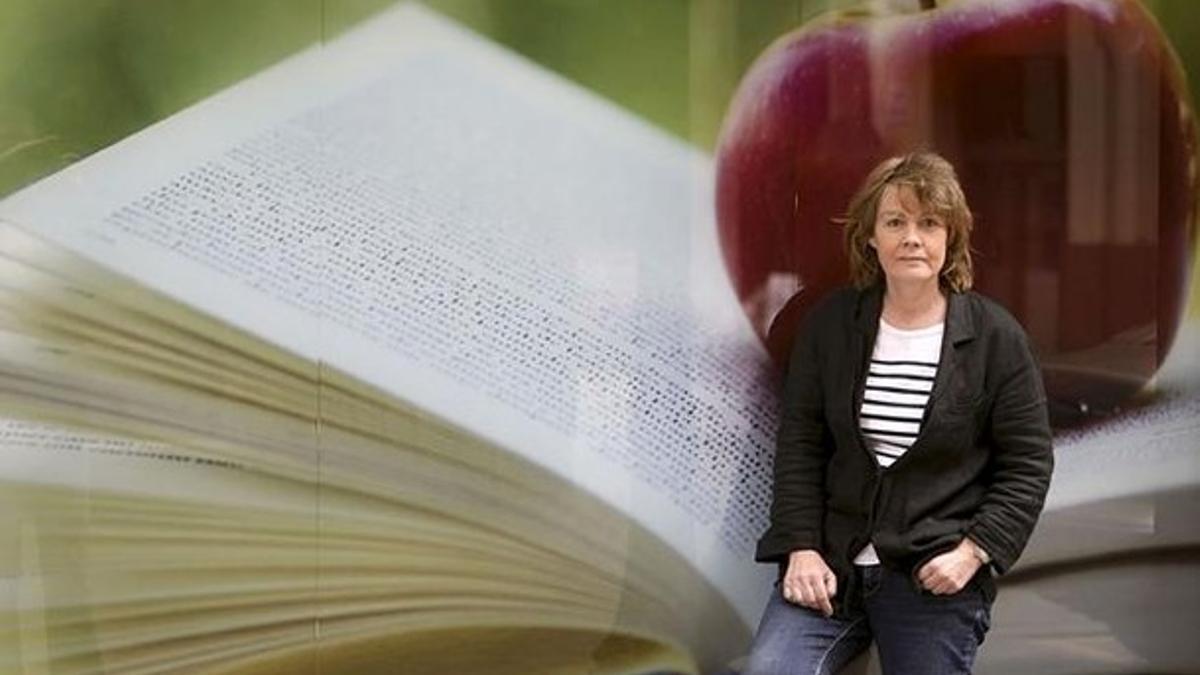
(949,572)
(809,581)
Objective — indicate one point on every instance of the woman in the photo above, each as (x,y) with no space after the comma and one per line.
(913,455)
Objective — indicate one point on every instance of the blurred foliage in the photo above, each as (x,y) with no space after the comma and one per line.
(77,75)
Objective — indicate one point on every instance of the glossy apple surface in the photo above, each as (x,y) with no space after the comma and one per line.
(1070,126)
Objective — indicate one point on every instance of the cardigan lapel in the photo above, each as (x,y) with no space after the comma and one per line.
(960,328)
(862,343)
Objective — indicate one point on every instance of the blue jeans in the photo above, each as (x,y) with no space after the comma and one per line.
(916,632)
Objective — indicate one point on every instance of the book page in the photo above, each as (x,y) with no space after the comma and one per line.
(193,558)
(1153,446)
(434,216)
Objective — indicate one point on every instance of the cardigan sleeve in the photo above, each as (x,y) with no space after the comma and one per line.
(1022,458)
(801,455)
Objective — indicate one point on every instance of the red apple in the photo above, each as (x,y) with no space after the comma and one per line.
(1069,124)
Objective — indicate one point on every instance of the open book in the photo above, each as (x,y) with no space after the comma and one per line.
(407,355)
(404,355)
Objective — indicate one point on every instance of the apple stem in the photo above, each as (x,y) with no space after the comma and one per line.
(928,4)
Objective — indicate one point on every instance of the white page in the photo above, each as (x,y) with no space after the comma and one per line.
(482,239)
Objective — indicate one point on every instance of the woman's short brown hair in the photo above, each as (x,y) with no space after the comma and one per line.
(936,186)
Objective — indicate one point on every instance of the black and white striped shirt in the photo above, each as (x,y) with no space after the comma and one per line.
(900,378)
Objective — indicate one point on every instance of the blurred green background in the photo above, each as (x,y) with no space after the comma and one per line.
(77,75)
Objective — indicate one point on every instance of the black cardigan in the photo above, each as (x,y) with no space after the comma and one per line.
(980,466)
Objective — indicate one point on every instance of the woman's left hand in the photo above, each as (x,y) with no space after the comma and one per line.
(949,572)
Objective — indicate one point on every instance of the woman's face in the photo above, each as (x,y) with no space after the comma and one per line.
(909,241)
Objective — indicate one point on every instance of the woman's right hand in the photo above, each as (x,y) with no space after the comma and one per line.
(809,581)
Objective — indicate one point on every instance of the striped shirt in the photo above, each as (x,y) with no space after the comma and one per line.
(903,365)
